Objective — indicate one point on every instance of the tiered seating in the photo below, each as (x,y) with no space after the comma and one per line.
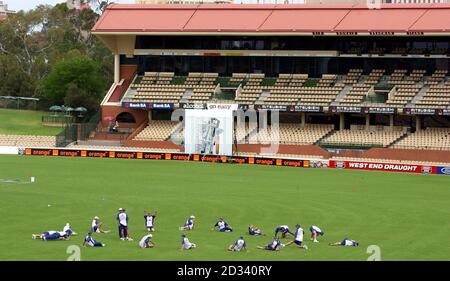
(356,94)
(249,94)
(157,130)
(121,148)
(374,76)
(417,75)
(327,80)
(293,134)
(436,97)
(238,78)
(430,138)
(202,85)
(353,76)
(397,76)
(402,95)
(27,140)
(437,77)
(156,87)
(358,136)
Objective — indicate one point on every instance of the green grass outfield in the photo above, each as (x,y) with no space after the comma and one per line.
(24,122)
(406,215)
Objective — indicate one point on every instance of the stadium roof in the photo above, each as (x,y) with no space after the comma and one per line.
(338,19)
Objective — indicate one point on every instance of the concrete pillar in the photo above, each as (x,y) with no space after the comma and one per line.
(341,121)
(303,119)
(116,68)
(391,121)
(367,122)
(418,123)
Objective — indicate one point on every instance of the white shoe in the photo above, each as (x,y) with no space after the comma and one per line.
(305,246)
(33,236)
(123,239)
(129,239)
(315,241)
(103,245)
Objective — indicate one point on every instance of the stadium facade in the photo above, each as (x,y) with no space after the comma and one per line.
(341,76)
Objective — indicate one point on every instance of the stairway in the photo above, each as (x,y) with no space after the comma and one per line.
(399,139)
(342,94)
(324,137)
(186,96)
(264,95)
(418,97)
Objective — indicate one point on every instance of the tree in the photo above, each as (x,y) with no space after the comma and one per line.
(71,80)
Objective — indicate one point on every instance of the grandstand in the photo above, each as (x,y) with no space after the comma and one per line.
(27,141)
(374,85)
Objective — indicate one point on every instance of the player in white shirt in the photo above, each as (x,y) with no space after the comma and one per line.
(189,225)
(345,242)
(223,226)
(298,238)
(238,245)
(149,221)
(68,229)
(274,246)
(122,221)
(146,242)
(315,231)
(96,226)
(186,244)
(89,241)
(284,229)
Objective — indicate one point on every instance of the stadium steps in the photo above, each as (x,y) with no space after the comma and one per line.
(419,96)
(319,141)
(342,94)
(187,95)
(100,143)
(399,139)
(262,98)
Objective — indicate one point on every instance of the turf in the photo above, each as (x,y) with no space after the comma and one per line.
(405,215)
(24,122)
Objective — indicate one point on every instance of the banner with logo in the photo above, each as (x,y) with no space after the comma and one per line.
(148,105)
(443,170)
(376,166)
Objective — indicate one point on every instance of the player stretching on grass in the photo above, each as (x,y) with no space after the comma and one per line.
(238,245)
(223,226)
(89,241)
(254,231)
(345,242)
(51,235)
(274,246)
(149,221)
(96,226)
(68,229)
(298,238)
(146,242)
(284,229)
(122,221)
(189,225)
(315,231)
(186,244)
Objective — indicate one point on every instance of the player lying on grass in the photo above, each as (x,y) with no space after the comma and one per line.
(96,226)
(189,225)
(345,242)
(122,221)
(298,238)
(274,246)
(253,230)
(51,235)
(186,244)
(238,245)
(284,229)
(149,221)
(315,231)
(90,242)
(223,226)
(146,242)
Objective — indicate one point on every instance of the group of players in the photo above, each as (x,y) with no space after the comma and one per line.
(221,225)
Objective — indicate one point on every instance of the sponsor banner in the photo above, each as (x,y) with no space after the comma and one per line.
(149,155)
(345,109)
(305,108)
(382,110)
(222,106)
(445,111)
(419,111)
(318,163)
(193,105)
(264,161)
(270,107)
(148,105)
(243,106)
(71,153)
(443,170)
(13,150)
(37,151)
(374,166)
